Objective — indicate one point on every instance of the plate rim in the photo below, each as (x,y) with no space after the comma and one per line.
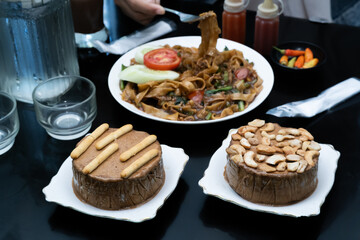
(157,201)
(116,92)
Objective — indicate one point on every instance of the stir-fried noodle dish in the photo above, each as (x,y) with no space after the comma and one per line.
(212,84)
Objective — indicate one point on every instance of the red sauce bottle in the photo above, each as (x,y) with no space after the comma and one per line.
(267,26)
(234,20)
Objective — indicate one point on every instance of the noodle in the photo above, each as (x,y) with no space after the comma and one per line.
(224,81)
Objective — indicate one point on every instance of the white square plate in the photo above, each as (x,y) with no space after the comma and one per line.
(214,183)
(60,189)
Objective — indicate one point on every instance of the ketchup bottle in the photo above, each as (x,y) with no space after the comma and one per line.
(234,20)
(267,26)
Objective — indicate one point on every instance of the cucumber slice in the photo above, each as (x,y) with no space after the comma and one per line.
(142,74)
(139,55)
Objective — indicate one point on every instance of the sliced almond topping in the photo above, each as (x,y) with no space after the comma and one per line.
(278,150)
(293,166)
(293,157)
(275,159)
(268,127)
(293,131)
(236,137)
(235,149)
(305,145)
(266,168)
(282,131)
(260,157)
(310,155)
(253,141)
(281,166)
(282,144)
(265,141)
(249,159)
(242,130)
(295,143)
(306,134)
(257,123)
(288,150)
(249,135)
(302,166)
(314,146)
(231,151)
(265,134)
(237,158)
(245,143)
(300,152)
(264,149)
(280,137)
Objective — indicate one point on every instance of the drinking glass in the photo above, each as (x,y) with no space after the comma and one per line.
(65,106)
(9,122)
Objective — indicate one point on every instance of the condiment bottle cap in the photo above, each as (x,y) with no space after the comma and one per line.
(235,5)
(268,9)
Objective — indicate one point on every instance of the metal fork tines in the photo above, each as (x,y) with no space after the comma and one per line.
(184,17)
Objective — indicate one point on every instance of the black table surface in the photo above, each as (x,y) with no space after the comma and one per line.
(189,213)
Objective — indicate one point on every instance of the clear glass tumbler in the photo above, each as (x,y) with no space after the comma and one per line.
(9,122)
(65,106)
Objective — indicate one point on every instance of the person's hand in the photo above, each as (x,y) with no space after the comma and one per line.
(142,11)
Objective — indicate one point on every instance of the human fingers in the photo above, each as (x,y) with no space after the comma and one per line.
(150,7)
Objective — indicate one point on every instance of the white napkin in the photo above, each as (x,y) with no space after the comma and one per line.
(325,100)
(135,39)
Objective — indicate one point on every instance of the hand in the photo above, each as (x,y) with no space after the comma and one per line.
(142,11)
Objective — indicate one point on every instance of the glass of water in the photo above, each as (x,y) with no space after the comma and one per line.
(65,106)
(9,122)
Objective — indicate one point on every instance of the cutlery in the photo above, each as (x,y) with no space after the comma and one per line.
(184,17)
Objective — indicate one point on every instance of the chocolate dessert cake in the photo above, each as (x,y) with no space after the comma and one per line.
(272,165)
(117,168)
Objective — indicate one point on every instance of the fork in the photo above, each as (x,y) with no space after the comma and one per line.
(184,17)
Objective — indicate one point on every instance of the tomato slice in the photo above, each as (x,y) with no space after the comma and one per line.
(197,96)
(162,59)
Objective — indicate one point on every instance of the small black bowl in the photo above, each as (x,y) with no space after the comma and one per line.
(318,53)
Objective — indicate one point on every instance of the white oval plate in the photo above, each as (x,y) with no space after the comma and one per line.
(214,184)
(61,192)
(261,65)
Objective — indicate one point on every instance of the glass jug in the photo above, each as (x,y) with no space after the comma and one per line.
(37,42)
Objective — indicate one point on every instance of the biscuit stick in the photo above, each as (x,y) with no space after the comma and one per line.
(112,136)
(137,148)
(100,158)
(139,163)
(99,130)
(86,142)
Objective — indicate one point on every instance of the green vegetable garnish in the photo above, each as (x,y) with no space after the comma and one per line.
(212,91)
